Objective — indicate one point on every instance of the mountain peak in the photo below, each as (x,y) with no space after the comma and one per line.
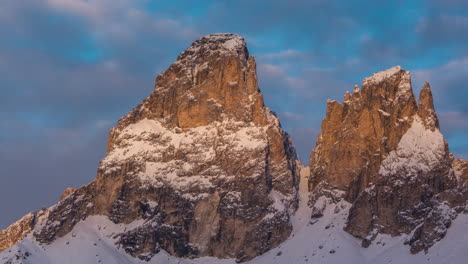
(385,151)
(218,44)
(426,108)
(213,79)
(201,165)
(364,129)
(383,75)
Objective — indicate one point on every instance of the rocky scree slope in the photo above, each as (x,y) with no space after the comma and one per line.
(202,165)
(386,152)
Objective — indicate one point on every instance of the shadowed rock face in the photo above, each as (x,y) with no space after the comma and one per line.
(201,160)
(388,155)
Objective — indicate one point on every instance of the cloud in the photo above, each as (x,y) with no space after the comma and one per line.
(448,83)
(300,99)
(454,125)
(304,139)
(283,54)
(37,171)
(271,70)
(77,7)
(454,120)
(443,30)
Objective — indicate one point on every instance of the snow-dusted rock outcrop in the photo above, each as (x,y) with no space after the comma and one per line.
(202,165)
(359,133)
(389,156)
(318,240)
(18,230)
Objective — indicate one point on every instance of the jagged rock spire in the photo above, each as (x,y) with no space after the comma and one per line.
(358,134)
(426,108)
(384,129)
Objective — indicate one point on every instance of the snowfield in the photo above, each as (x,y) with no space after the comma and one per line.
(92,241)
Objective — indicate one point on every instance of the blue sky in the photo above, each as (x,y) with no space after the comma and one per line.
(70,68)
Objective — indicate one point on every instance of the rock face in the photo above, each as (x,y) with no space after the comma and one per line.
(18,230)
(67,192)
(387,153)
(358,134)
(460,168)
(201,163)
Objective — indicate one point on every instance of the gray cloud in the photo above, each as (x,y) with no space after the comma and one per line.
(35,172)
(444,30)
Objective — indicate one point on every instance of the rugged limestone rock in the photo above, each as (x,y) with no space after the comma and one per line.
(388,155)
(426,109)
(201,161)
(460,168)
(18,230)
(358,134)
(67,192)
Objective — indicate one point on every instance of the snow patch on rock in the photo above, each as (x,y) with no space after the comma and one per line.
(419,151)
(148,142)
(382,75)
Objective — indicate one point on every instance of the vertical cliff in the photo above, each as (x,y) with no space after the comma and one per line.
(359,133)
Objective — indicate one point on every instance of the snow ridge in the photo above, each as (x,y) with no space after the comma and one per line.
(382,75)
(219,42)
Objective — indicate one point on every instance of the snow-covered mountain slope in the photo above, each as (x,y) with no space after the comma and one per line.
(317,240)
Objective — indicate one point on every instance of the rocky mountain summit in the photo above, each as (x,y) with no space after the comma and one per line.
(357,134)
(201,172)
(386,152)
(201,163)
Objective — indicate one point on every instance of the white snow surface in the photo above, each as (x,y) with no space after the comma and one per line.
(382,75)
(92,241)
(418,151)
(234,43)
(230,43)
(147,141)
